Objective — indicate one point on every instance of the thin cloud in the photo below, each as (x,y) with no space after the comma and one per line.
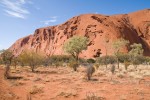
(15,8)
(14,14)
(52,20)
(47,22)
(54,17)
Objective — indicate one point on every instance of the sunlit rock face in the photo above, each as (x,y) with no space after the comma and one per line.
(134,27)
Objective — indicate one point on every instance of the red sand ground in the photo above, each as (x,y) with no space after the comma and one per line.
(64,84)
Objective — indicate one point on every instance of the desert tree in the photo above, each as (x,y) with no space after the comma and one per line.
(106,44)
(15,61)
(75,45)
(136,53)
(118,45)
(31,59)
(7,57)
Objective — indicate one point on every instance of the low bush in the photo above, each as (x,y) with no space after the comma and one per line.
(138,60)
(89,72)
(91,60)
(113,69)
(56,59)
(124,58)
(74,65)
(106,60)
(126,64)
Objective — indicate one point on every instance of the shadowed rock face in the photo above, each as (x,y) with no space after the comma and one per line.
(134,27)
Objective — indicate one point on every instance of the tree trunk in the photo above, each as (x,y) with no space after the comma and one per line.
(75,68)
(7,69)
(106,57)
(32,68)
(106,63)
(118,62)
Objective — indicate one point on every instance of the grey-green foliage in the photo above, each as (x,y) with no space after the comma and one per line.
(106,59)
(118,45)
(136,53)
(75,45)
(136,49)
(7,56)
(31,59)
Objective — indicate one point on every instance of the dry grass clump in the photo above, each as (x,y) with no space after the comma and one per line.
(36,89)
(99,73)
(120,75)
(68,93)
(93,96)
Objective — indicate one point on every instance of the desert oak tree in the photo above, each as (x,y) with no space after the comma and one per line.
(118,45)
(75,45)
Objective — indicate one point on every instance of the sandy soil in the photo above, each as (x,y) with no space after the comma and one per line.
(64,84)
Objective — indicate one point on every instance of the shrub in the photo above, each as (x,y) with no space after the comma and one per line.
(124,58)
(89,72)
(138,60)
(90,60)
(96,65)
(93,96)
(113,69)
(1,61)
(56,59)
(31,59)
(74,65)
(7,57)
(106,60)
(126,64)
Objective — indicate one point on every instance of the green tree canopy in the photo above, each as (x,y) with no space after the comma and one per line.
(136,49)
(136,54)
(75,45)
(118,45)
(31,59)
(7,56)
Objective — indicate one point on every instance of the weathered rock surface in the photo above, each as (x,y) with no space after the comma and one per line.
(134,27)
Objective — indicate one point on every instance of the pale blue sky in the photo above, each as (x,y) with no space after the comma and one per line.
(19,18)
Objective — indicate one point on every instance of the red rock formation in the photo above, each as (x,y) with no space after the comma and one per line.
(134,27)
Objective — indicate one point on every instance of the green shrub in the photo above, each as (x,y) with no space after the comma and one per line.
(91,60)
(31,59)
(138,60)
(1,61)
(124,58)
(56,59)
(106,60)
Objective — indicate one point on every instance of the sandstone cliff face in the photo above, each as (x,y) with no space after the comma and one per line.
(134,27)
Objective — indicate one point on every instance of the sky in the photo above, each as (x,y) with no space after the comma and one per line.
(19,18)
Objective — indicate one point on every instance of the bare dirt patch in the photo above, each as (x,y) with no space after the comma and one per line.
(64,84)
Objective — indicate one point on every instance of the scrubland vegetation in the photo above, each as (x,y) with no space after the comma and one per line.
(128,66)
